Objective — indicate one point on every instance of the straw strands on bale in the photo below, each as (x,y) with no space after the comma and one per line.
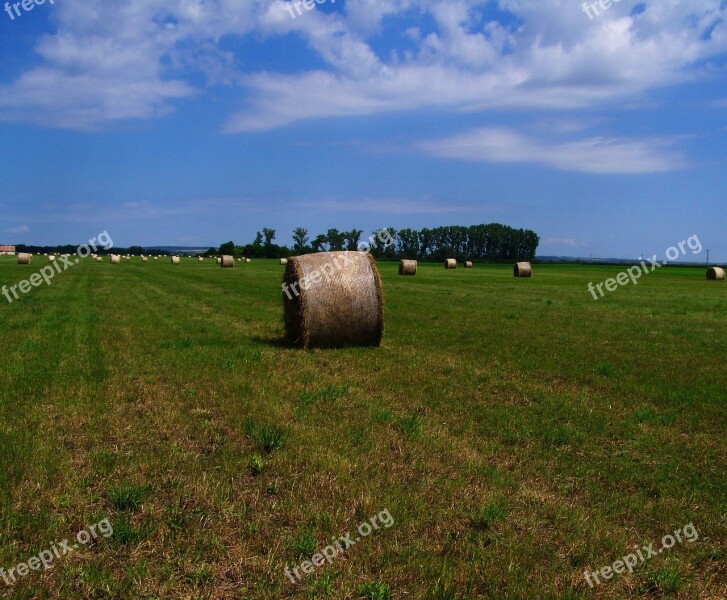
(407,267)
(175,260)
(468,264)
(523,269)
(23,258)
(283,261)
(115,259)
(333,299)
(716,274)
(450,263)
(227,262)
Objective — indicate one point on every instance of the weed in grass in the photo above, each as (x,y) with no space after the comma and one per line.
(486,515)
(269,438)
(125,534)
(382,415)
(604,369)
(411,426)
(323,585)
(304,546)
(665,580)
(321,520)
(375,591)
(556,435)
(257,464)
(127,497)
(199,576)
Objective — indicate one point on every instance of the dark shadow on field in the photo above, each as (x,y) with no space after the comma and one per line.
(275,342)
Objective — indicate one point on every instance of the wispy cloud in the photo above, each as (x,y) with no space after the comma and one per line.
(391,206)
(19,229)
(595,155)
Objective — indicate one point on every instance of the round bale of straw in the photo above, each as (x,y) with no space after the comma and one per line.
(468,264)
(219,260)
(99,259)
(283,261)
(115,259)
(23,258)
(51,258)
(715,274)
(333,299)
(175,260)
(450,263)
(227,262)
(200,259)
(247,260)
(407,267)
(144,259)
(523,269)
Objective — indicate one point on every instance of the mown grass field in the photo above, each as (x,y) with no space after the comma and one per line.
(518,432)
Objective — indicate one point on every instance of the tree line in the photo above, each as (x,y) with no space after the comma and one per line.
(491,242)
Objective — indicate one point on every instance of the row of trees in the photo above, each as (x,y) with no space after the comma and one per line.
(493,242)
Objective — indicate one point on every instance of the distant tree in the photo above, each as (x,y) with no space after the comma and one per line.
(336,239)
(320,241)
(269,235)
(227,248)
(352,237)
(300,238)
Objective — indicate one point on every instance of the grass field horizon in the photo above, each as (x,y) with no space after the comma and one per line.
(518,432)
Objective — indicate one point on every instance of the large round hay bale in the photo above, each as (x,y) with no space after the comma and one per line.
(523,269)
(115,259)
(468,264)
(715,274)
(450,263)
(333,299)
(23,258)
(407,267)
(227,262)
(175,260)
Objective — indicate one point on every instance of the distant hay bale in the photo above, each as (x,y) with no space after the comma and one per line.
(156,258)
(23,258)
(175,260)
(523,269)
(333,299)
(227,262)
(247,260)
(51,258)
(218,260)
(115,259)
(283,261)
(99,259)
(144,258)
(468,264)
(716,274)
(450,263)
(200,259)
(408,267)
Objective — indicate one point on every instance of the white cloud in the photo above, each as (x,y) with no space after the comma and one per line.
(19,229)
(597,155)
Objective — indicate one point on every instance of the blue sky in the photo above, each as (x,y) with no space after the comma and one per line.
(192,122)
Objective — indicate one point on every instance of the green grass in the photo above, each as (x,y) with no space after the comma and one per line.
(518,431)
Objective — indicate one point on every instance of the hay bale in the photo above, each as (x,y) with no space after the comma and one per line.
(175,260)
(716,274)
(156,258)
(227,262)
(51,258)
(333,299)
(450,263)
(115,259)
(408,267)
(23,258)
(144,258)
(218,260)
(247,260)
(99,259)
(468,264)
(523,269)
(283,261)
(200,259)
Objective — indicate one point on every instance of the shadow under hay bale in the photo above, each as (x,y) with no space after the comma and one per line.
(227,262)
(333,299)
(408,267)
(716,274)
(450,263)
(523,269)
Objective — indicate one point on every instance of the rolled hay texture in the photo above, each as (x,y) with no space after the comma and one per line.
(716,274)
(468,264)
(283,261)
(450,263)
(407,267)
(227,262)
(115,259)
(23,258)
(523,269)
(333,299)
(175,260)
